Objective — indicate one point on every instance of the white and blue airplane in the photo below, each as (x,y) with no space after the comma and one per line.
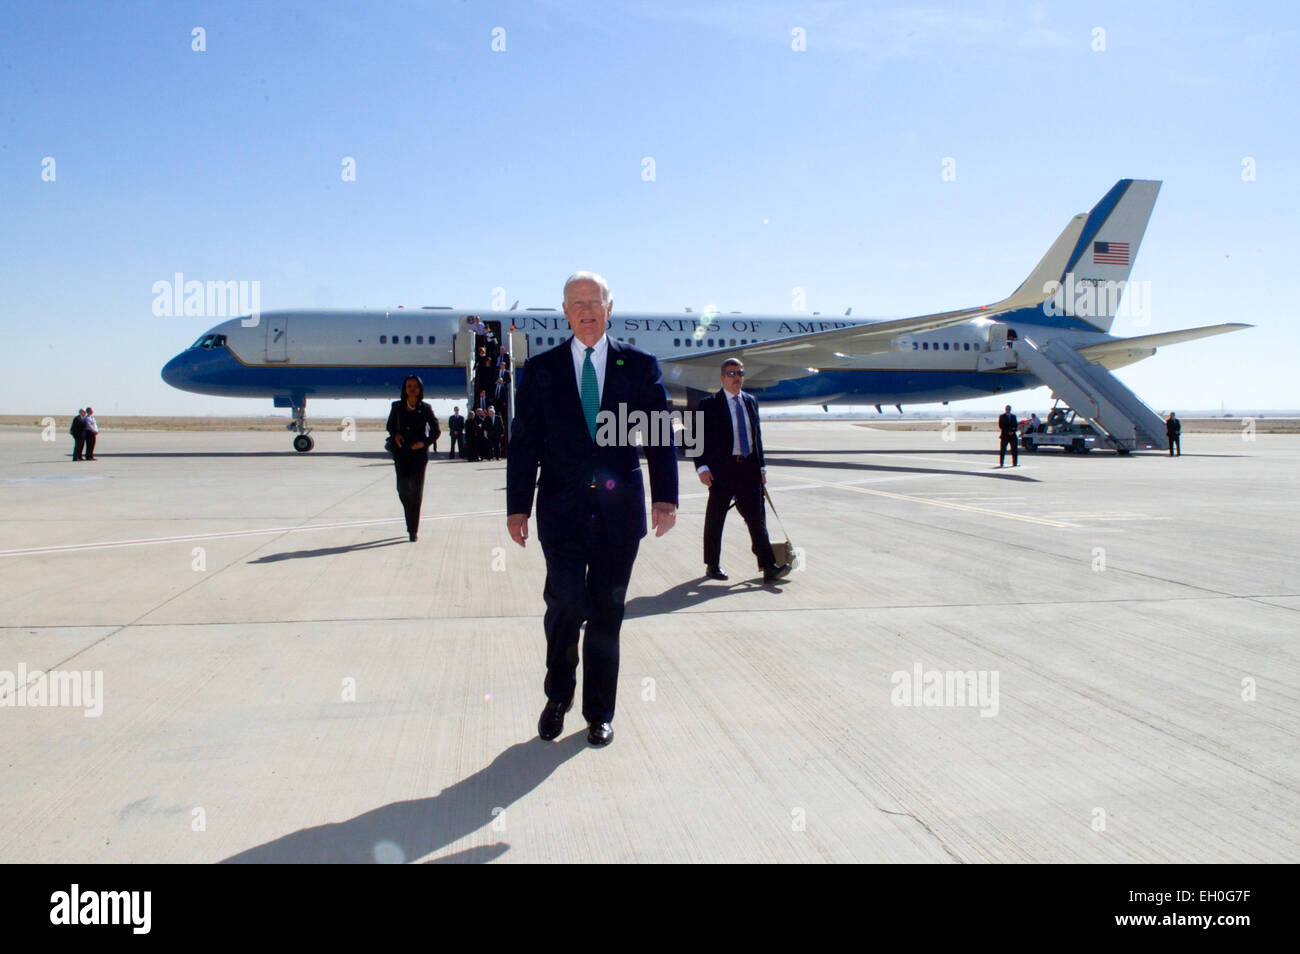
(1053,330)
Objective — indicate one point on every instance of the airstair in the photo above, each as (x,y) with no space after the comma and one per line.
(1094,393)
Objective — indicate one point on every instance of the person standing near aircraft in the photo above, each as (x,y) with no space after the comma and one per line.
(732,466)
(456,425)
(91,433)
(78,432)
(493,429)
(410,423)
(590,498)
(1007,427)
(1174,430)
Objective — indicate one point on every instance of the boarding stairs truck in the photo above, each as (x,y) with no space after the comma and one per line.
(1118,417)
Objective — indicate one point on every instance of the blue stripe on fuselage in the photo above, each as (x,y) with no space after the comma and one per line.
(215,371)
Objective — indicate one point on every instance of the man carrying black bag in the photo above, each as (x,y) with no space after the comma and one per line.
(731,465)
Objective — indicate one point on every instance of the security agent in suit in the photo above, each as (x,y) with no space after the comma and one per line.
(410,424)
(456,425)
(590,497)
(1008,428)
(78,432)
(731,465)
(1174,431)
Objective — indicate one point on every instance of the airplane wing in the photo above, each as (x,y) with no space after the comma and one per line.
(768,362)
(1124,351)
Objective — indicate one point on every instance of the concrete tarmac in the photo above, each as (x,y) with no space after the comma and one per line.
(1083,659)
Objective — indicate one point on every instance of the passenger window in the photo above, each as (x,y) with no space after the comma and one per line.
(550,341)
(710,342)
(966,346)
(419,339)
(383,339)
(677,342)
(945,346)
(925,346)
(432,340)
(733,342)
(408,339)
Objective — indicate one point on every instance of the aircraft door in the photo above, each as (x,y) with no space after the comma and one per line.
(997,336)
(518,351)
(277,339)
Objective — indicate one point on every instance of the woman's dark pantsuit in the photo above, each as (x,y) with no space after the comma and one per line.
(410,468)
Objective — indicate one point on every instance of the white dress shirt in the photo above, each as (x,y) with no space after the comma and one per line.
(598,355)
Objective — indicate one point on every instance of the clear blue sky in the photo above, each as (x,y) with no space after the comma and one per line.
(775,168)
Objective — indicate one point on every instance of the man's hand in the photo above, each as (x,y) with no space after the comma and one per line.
(417,445)
(662,517)
(517,524)
(397,439)
(706,477)
(764,476)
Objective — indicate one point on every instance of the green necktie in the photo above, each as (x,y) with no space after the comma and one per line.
(590,394)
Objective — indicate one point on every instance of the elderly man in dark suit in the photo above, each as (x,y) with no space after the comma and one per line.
(590,497)
(731,465)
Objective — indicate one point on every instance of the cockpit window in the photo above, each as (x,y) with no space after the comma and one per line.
(209,341)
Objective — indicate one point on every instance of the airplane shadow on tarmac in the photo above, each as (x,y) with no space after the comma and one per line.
(1007,473)
(377,455)
(404,831)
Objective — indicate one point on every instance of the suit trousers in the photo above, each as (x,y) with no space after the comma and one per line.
(457,437)
(586,580)
(742,481)
(410,469)
(78,446)
(90,445)
(1005,441)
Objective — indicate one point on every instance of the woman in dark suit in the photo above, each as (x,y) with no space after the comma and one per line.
(411,425)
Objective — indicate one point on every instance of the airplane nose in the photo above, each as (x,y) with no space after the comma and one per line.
(173,372)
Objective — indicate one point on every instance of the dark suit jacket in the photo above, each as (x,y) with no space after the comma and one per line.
(550,433)
(414,426)
(1173,428)
(719,431)
(1007,424)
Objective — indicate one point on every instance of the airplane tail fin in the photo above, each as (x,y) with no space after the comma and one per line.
(1098,268)
(1047,273)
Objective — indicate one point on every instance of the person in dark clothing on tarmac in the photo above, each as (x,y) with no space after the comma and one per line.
(411,425)
(1008,434)
(78,432)
(1174,431)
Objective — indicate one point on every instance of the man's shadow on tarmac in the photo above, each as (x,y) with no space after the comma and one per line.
(329,551)
(404,831)
(693,593)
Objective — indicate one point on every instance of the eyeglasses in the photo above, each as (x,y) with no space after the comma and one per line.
(734,374)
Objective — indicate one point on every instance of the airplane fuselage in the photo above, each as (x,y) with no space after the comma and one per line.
(294,355)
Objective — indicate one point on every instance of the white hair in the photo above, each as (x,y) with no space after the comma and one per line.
(585,276)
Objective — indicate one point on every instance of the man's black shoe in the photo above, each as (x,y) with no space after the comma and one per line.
(599,734)
(715,573)
(551,724)
(772,572)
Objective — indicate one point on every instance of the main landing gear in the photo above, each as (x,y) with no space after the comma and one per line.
(302,443)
